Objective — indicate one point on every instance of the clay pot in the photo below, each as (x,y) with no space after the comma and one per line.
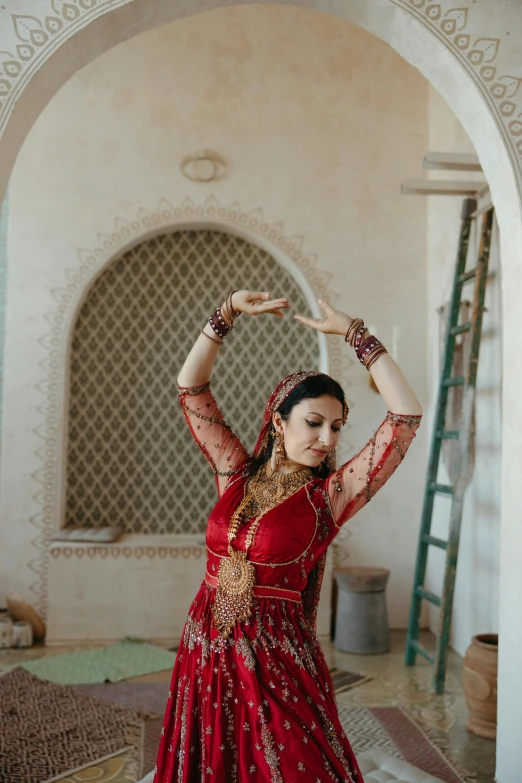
(479,680)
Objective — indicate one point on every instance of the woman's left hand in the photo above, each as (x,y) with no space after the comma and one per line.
(334,322)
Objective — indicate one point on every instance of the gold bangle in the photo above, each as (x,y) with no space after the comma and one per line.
(226,315)
(228,311)
(213,339)
(352,330)
(235,314)
(354,326)
(230,317)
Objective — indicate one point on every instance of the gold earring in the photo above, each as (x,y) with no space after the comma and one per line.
(280,453)
(331,461)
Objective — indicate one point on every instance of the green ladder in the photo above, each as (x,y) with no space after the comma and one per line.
(439,433)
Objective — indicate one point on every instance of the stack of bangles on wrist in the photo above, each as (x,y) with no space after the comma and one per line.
(367,350)
(222,321)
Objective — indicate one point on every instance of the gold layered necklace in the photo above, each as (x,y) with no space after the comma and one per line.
(236,575)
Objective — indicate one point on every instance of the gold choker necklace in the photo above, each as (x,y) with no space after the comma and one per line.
(236,575)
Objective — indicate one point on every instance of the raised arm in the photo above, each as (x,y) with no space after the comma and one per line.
(355,483)
(222,449)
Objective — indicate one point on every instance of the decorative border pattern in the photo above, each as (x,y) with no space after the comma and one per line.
(127,552)
(28,40)
(479,56)
(165,217)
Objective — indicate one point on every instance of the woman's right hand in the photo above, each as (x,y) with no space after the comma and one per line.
(257,303)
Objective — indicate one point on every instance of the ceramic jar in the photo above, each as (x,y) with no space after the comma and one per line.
(6,632)
(479,680)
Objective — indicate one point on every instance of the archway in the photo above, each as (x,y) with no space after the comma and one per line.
(130,460)
(132,293)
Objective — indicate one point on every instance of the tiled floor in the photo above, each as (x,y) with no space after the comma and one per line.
(395,684)
(392,684)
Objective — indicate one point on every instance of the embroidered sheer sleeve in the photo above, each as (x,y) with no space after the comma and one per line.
(355,483)
(222,449)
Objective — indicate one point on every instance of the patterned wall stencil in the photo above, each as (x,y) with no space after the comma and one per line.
(481,39)
(131,459)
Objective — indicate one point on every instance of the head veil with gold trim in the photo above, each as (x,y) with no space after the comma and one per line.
(312,590)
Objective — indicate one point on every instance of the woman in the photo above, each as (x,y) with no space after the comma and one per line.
(251,697)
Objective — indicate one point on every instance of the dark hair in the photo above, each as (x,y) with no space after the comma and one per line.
(310,388)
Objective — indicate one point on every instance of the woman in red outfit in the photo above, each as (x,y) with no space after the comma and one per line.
(251,697)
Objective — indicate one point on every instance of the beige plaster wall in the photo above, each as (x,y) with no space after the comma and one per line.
(319,123)
(476,601)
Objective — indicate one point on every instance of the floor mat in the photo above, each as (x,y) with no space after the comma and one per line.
(118,769)
(392,730)
(103,664)
(343,680)
(146,697)
(49,730)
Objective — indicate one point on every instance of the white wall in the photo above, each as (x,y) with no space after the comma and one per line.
(319,122)
(477,586)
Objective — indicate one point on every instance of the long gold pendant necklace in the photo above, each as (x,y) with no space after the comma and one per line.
(236,575)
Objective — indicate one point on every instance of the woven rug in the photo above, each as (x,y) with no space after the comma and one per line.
(115,769)
(103,664)
(344,680)
(48,730)
(150,698)
(391,729)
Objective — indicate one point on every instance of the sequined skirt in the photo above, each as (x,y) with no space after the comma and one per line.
(257,707)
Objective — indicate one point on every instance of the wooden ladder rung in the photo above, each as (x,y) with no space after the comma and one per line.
(431,597)
(444,489)
(439,542)
(461,328)
(419,648)
(465,276)
(459,380)
(448,434)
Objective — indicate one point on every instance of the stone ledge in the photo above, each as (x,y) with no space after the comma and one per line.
(132,545)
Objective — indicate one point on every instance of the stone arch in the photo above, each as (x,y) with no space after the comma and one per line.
(463,52)
(460,51)
(466,55)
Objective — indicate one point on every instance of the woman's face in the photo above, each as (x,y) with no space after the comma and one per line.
(311,430)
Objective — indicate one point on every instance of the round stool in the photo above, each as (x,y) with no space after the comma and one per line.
(361,620)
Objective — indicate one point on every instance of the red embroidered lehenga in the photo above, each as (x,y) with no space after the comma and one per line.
(259,705)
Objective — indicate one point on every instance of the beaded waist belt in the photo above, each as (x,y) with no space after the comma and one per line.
(262,591)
